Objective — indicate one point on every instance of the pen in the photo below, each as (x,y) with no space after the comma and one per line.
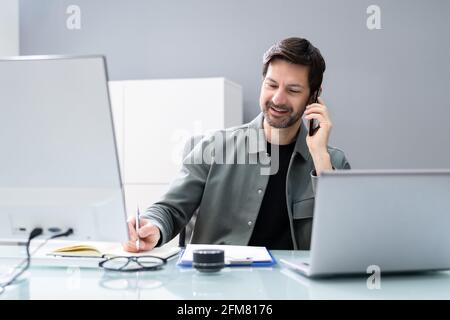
(137,227)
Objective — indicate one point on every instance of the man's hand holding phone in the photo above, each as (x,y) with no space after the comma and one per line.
(318,142)
(149,235)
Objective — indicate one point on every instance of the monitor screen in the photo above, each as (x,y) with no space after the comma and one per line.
(58,162)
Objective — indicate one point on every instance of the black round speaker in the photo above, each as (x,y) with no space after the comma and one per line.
(208,260)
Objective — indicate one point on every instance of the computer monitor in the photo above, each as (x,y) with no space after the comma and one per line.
(59,165)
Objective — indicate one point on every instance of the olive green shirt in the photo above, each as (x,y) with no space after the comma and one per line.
(228,196)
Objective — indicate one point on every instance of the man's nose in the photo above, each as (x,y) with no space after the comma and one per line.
(279,97)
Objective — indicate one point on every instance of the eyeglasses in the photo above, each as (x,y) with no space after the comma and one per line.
(131,264)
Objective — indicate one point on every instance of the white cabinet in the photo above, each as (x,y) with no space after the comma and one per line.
(153,119)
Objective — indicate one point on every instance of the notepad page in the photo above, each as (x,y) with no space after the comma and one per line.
(257,254)
(106,248)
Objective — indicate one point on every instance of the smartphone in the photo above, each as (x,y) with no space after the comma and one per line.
(314,124)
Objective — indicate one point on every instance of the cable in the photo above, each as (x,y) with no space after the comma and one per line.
(64,234)
(34,233)
(67,233)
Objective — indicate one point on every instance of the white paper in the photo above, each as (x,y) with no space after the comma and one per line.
(232,253)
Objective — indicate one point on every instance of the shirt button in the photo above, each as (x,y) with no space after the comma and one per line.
(250,223)
(260,191)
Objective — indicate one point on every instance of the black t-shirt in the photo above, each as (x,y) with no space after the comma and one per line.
(272,225)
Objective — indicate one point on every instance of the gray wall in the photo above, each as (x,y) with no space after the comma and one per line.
(386,89)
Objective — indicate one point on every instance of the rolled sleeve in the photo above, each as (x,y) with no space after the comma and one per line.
(338,162)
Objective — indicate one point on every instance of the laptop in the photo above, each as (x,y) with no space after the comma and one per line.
(394,220)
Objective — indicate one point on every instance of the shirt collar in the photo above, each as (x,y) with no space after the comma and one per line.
(300,145)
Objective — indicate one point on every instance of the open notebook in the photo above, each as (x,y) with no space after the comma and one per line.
(105,249)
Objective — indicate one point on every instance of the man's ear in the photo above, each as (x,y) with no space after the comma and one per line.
(313,97)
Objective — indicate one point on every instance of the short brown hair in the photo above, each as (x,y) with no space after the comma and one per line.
(298,51)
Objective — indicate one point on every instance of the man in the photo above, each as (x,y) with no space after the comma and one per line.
(238,204)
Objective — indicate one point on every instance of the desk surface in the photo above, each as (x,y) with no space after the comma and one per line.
(173,282)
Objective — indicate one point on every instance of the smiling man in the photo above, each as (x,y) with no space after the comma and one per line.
(238,204)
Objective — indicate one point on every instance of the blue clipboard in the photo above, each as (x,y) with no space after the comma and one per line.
(188,264)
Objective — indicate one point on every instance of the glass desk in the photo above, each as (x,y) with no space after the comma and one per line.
(173,282)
